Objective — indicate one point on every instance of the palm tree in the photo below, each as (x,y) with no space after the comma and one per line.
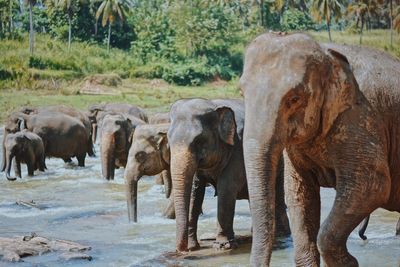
(326,9)
(68,7)
(396,20)
(110,11)
(31,3)
(363,10)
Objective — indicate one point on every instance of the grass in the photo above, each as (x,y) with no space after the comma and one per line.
(56,76)
(379,39)
(134,91)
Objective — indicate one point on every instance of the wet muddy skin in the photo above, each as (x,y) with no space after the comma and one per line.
(78,205)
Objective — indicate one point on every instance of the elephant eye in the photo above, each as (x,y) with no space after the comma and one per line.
(292,101)
(141,156)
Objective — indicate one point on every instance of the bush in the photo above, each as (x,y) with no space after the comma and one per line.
(51,63)
(296,20)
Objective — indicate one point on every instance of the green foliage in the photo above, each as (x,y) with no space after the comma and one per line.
(295,20)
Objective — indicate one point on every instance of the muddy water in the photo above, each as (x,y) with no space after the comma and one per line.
(77,204)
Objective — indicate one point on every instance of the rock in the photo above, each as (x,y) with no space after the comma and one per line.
(68,256)
(13,249)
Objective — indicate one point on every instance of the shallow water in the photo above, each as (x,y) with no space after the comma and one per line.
(78,205)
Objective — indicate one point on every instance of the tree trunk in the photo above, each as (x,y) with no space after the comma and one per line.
(361,31)
(329,30)
(30,28)
(109,37)
(10,27)
(391,23)
(262,13)
(69,30)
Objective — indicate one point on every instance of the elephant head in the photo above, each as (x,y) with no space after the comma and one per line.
(148,155)
(94,115)
(116,138)
(201,136)
(294,91)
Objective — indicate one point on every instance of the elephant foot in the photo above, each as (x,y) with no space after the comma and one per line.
(230,244)
(193,245)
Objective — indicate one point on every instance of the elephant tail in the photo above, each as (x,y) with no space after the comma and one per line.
(91,152)
(363,228)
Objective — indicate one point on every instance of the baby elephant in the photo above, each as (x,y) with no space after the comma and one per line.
(26,147)
(148,155)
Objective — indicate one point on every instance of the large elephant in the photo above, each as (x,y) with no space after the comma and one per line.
(116,139)
(70,111)
(63,136)
(26,147)
(303,98)
(97,111)
(148,155)
(205,137)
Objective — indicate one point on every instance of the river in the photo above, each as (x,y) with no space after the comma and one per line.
(78,205)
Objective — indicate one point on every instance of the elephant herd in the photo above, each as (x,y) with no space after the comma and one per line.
(314,115)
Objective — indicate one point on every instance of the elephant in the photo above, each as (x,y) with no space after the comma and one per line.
(148,155)
(303,98)
(26,147)
(116,139)
(63,136)
(205,138)
(364,225)
(84,118)
(158,118)
(96,111)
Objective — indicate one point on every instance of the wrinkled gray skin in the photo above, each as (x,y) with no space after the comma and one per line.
(115,141)
(97,111)
(158,118)
(148,155)
(205,137)
(25,147)
(62,109)
(304,98)
(63,136)
(364,225)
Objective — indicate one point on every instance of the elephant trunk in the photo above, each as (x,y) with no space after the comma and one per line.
(363,228)
(131,196)
(166,176)
(131,176)
(108,156)
(9,159)
(183,167)
(262,153)
(3,161)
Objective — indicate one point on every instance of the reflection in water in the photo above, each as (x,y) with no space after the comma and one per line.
(77,204)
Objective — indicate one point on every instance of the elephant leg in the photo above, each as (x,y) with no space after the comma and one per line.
(227,192)
(67,160)
(30,168)
(282,228)
(81,160)
(398,227)
(358,193)
(303,200)
(196,201)
(17,167)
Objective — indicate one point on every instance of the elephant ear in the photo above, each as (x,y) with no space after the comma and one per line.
(226,125)
(340,91)
(163,146)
